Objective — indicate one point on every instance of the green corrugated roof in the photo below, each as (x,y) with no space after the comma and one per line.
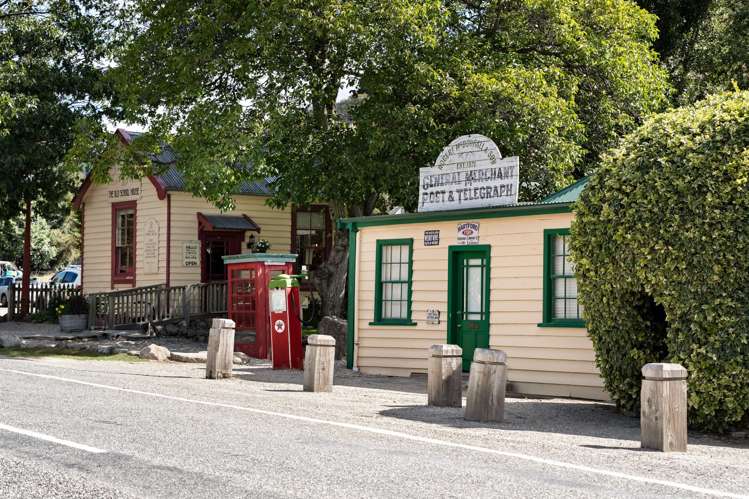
(568,194)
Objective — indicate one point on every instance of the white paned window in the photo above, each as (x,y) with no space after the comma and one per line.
(393,294)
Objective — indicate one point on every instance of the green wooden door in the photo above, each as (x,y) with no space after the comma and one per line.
(469,300)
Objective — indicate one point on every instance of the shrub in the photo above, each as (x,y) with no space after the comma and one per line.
(661,241)
(75,305)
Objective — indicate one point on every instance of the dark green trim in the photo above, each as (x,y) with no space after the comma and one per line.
(455,215)
(548,319)
(451,252)
(393,323)
(351,305)
(378,320)
(569,323)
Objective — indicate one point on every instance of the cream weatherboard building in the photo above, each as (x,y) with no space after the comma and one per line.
(490,277)
(152,231)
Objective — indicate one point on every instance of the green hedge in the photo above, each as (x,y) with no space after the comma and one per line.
(661,241)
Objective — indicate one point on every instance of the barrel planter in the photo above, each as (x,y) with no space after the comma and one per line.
(70,323)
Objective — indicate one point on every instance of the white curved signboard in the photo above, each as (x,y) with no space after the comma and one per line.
(469,173)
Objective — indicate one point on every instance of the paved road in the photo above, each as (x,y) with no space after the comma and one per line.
(109,429)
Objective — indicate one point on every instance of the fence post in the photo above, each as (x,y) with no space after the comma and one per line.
(445,376)
(91,311)
(220,359)
(11,301)
(186,304)
(663,407)
(110,310)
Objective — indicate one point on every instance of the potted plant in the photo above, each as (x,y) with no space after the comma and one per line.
(73,314)
(262,246)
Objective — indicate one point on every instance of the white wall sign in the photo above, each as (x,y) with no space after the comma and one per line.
(151,247)
(468,233)
(432,237)
(469,173)
(191,254)
(433,316)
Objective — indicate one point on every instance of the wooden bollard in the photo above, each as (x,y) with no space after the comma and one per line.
(220,358)
(319,363)
(486,386)
(663,408)
(445,378)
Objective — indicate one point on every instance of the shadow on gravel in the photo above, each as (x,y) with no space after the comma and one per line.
(561,417)
(343,377)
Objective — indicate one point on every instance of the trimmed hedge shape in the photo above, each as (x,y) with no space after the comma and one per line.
(661,242)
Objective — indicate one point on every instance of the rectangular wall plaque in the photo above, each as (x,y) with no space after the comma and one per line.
(431,238)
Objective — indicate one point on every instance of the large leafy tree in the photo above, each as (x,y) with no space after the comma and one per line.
(50,77)
(719,57)
(239,82)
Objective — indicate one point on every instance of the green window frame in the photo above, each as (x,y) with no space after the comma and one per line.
(561,307)
(393,282)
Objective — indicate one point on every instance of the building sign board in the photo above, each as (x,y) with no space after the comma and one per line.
(433,316)
(191,254)
(124,193)
(469,173)
(151,247)
(431,238)
(468,233)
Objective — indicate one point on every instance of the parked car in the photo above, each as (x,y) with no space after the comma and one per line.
(9,269)
(5,283)
(68,275)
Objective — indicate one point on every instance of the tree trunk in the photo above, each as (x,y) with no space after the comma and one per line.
(26,262)
(330,278)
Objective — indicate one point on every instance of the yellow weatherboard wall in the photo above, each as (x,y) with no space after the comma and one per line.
(97,233)
(541,360)
(97,203)
(275,227)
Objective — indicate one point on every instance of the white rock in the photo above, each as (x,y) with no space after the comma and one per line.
(189,357)
(155,352)
(10,341)
(241,358)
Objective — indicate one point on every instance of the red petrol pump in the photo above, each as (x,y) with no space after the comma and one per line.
(248,296)
(286,322)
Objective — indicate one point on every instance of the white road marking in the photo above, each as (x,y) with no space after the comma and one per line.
(405,436)
(48,438)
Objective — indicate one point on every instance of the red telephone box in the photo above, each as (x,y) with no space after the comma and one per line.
(249,278)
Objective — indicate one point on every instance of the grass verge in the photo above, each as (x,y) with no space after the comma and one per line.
(64,354)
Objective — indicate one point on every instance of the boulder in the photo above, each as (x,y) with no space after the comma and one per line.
(10,341)
(155,352)
(188,357)
(104,349)
(241,358)
(335,327)
(172,329)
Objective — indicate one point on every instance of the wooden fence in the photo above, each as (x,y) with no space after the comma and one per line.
(42,295)
(156,304)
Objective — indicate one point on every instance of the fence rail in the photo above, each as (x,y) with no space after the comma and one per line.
(42,296)
(156,304)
